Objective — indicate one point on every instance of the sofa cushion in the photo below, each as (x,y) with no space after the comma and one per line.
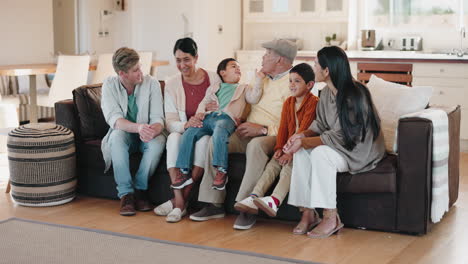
(87,100)
(393,100)
(382,179)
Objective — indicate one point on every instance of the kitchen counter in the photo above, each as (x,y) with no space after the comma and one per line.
(382,55)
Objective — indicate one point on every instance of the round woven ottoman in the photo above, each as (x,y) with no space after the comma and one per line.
(42,164)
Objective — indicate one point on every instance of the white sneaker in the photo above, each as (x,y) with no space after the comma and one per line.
(247,206)
(164,208)
(175,215)
(267,205)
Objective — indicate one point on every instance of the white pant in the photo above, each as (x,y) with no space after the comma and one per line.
(313,179)
(172,147)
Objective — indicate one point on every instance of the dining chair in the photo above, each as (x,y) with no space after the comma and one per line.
(22,84)
(146,59)
(72,72)
(393,72)
(104,68)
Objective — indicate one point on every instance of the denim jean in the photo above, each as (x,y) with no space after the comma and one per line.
(220,126)
(123,144)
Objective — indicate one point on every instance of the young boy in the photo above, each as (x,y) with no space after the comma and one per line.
(296,116)
(231,98)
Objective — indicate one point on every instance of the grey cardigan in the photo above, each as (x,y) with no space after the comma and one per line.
(114,104)
(364,156)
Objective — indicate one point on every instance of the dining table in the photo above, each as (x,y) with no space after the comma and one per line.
(32,70)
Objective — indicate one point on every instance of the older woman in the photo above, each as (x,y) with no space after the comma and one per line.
(345,137)
(183,93)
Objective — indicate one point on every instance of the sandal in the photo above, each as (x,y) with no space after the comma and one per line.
(302,229)
(336,230)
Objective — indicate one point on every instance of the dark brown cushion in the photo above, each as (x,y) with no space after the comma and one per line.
(87,101)
(382,179)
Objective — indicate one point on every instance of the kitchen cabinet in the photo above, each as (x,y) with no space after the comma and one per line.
(450,83)
(295,11)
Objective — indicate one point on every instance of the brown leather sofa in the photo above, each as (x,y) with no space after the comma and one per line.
(395,196)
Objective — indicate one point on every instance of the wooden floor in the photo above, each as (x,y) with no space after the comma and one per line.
(446,243)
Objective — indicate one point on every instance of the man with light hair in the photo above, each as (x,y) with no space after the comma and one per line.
(133,107)
(256,137)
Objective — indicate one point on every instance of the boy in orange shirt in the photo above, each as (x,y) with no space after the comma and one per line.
(296,116)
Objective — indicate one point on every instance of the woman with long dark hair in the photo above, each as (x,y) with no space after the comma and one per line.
(345,137)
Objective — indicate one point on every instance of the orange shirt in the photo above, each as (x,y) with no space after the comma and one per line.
(305,116)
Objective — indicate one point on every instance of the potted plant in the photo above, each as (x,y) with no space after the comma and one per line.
(331,40)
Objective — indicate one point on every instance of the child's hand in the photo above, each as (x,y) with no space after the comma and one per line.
(260,74)
(212,106)
(285,159)
(278,154)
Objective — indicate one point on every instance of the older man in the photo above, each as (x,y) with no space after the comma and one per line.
(256,137)
(133,107)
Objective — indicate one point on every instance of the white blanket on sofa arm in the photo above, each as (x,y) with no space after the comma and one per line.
(440,156)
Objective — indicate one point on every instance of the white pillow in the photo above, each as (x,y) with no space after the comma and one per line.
(393,100)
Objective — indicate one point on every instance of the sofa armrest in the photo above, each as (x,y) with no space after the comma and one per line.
(414,174)
(66,115)
(454,118)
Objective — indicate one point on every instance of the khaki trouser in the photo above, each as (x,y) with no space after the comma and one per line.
(258,151)
(272,170)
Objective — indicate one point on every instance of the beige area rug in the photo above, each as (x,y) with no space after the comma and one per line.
(26,241)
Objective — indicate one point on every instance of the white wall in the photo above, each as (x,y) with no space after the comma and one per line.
(215,46)
(89,21)
(64,26)
(157,24)
(26,31)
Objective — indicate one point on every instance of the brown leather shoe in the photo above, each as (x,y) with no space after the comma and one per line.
(142,201)
(127,205)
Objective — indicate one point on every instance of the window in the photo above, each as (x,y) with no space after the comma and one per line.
(280,6)
(414,13)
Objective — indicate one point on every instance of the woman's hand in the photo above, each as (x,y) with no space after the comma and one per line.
(295,137)
(292,139)
(200,116)
(285,159)
(193,122)
(293,145)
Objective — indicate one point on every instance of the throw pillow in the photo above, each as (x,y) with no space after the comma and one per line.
(393,100)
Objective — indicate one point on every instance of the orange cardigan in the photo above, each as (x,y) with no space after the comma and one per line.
(305,116)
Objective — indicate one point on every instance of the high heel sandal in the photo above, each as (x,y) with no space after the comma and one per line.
(339,225)
(301,230)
